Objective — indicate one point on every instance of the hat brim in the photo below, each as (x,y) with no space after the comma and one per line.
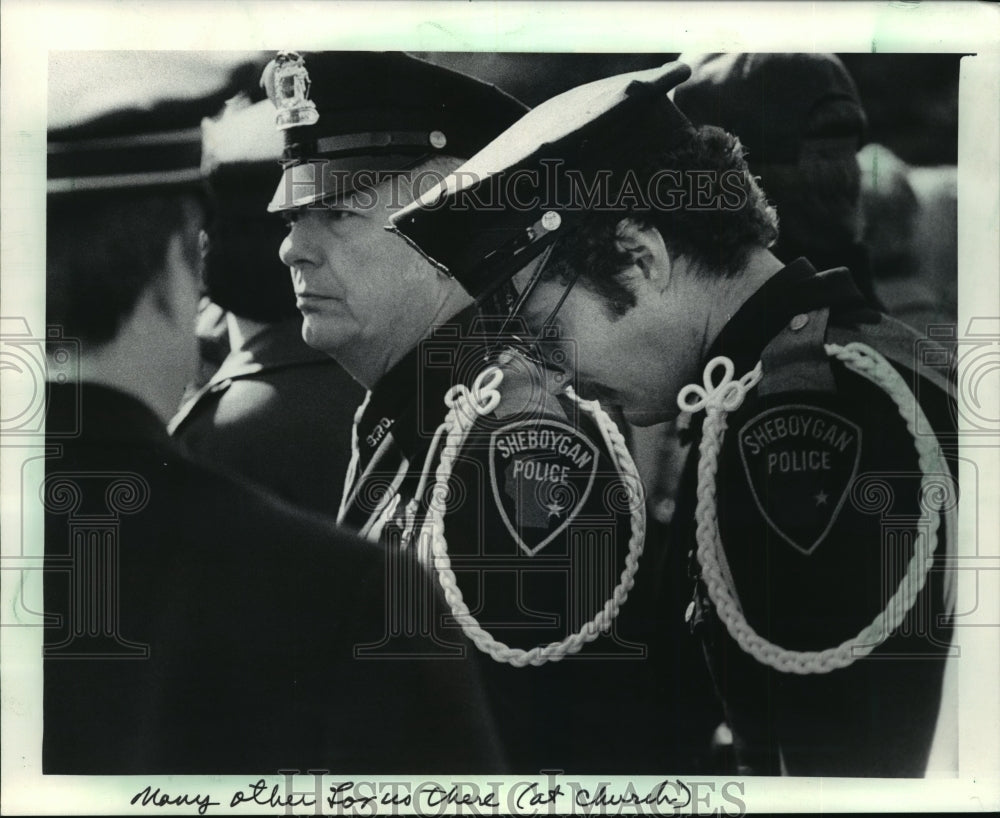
(318,181)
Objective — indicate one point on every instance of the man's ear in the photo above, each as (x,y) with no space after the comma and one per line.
(176,288)
(646,249)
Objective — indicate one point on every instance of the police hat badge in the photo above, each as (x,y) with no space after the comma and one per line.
(287,86)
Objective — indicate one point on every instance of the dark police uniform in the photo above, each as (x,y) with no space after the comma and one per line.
(819,501)
(278,413)
(818,493)
(537,524)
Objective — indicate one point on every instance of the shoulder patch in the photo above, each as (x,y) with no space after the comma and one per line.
(542,472)
(800,462)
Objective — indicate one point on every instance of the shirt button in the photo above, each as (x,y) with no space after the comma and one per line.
(798,322)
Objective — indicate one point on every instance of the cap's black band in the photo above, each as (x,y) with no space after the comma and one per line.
(397,140)
(365,144)
(168,157)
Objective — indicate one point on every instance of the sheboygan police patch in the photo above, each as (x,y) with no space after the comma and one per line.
(542,472)
(800,462)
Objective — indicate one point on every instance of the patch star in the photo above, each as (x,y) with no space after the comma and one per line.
(821,498)
(554,509)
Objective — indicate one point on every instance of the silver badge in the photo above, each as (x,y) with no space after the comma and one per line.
(289,91)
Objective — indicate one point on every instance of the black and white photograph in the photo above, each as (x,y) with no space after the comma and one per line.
(500,408)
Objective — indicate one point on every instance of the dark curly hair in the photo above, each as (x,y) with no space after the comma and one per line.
(699,195)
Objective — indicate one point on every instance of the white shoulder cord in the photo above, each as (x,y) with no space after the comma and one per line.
(464,407)
(936,499)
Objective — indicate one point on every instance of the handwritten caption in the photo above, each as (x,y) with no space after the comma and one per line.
(554,797)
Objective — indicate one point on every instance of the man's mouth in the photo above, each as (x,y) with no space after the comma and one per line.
(310,301)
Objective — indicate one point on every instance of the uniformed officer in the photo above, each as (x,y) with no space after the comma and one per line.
(461,449)
(818,506)
(256,415)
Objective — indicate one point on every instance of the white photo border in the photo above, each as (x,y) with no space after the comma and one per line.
(33,28)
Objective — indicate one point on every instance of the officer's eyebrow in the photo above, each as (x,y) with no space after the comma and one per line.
(340,209)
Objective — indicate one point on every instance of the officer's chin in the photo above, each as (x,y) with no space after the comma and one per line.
(315,335)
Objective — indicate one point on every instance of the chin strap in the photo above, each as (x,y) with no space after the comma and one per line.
(937,499)
(465,406)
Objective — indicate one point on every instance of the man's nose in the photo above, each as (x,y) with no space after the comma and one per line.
(297,249)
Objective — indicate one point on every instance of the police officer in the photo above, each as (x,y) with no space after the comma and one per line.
(461,448)
(818,506)
(257,414)
(800,119)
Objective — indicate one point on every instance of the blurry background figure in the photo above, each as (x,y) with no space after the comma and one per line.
(936,232)
(276,410)
(892,218)
(801,120)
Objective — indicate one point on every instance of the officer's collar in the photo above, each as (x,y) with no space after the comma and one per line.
(408,401)
(794,289)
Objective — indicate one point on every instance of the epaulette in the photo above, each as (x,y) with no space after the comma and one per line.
(796,359)
(904,347)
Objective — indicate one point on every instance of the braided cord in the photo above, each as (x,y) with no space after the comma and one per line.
(464,407)
(718,400)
